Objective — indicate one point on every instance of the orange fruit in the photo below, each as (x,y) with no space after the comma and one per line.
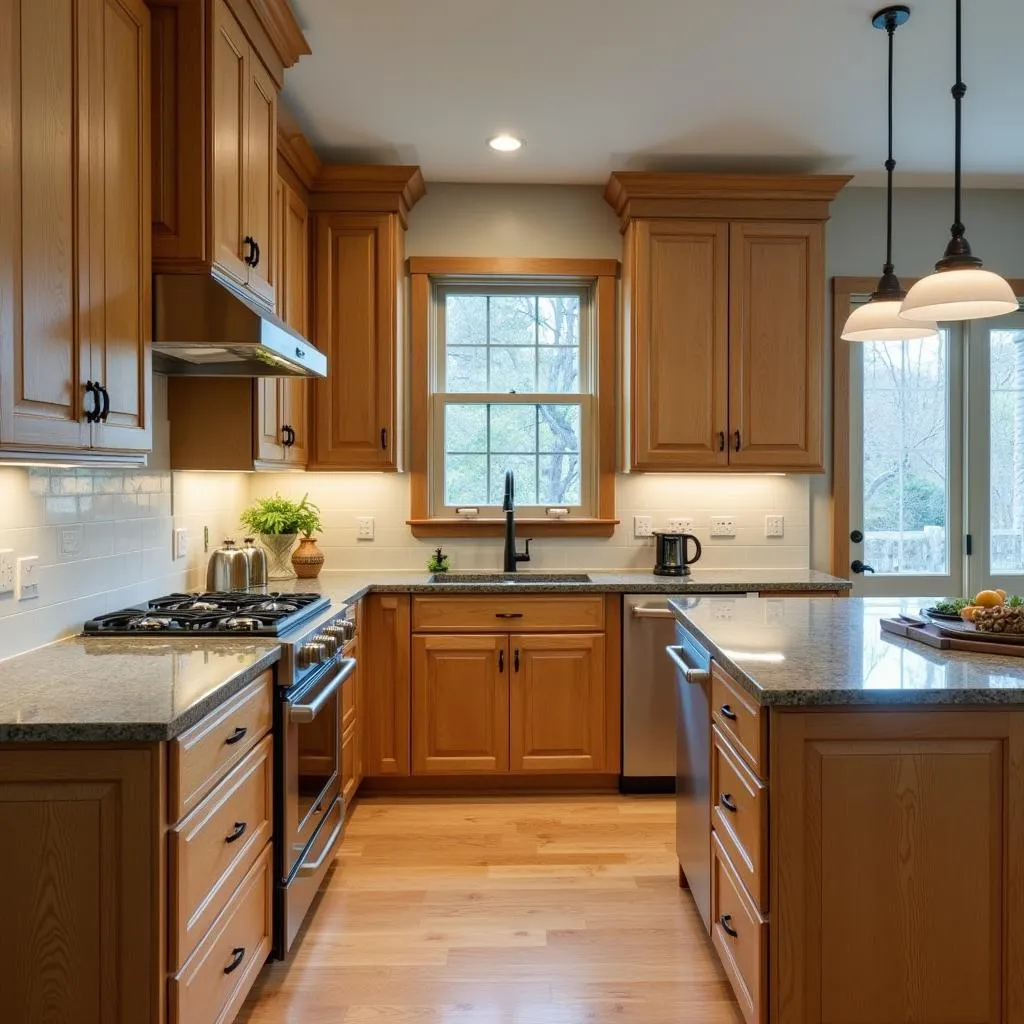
(989,599)
(1001,593)
(969,612)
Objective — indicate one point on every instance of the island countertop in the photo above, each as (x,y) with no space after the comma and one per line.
(801,652)
(123,689)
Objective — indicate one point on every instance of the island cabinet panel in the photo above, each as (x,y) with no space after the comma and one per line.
(557,703)
(460,703)
(897,839)
(386,684)
(80,930)
(679,338)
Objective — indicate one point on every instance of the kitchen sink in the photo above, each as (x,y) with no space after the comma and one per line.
(510,577)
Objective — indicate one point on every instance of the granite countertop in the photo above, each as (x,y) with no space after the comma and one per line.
(123,690)
(346,587)
(802,652)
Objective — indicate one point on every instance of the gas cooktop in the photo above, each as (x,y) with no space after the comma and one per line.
(212,614)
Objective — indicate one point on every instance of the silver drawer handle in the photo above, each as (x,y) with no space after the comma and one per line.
(310,867)
(305,713)
(691,673)
(647,612)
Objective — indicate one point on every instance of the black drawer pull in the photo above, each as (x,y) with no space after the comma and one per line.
(508,615)
(237,832)
(515,659)
(501,660)
(237,956)
(727,712)
(737,440)
(237,735)
(721,440)
(726,927)
(727,802)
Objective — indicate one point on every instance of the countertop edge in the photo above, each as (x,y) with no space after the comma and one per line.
(140,732)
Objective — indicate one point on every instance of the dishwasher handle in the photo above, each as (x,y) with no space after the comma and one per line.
(691,673)
(643,611)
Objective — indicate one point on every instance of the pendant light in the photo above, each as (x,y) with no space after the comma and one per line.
(959,289)
(879,318)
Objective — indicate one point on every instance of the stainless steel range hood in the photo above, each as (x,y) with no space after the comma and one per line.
(203,327)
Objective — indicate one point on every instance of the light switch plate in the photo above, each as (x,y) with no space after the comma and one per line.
(775,526)
(7,571)
(69,540)
(180,543)
(723,526)
(643,526)
(28,579)
(364,528)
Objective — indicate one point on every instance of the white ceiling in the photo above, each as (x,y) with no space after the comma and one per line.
(600,85)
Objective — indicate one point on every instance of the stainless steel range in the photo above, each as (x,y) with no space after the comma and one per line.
(308,809)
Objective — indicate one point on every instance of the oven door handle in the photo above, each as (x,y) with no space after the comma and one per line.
(311,867)
(304,713)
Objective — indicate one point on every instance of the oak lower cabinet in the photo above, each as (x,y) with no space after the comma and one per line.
(865,861)
(386,684)
(352,723)
(739,260)
(75,317)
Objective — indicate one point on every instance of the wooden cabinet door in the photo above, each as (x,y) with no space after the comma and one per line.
(384,644)
(43,226)
(355,324)
(118,281)
(460,714)
(295,405)
(896,843)
(230,94)
(557,721)
(292,288)
(260,174)
(679,345)
(270,435)
(776,383)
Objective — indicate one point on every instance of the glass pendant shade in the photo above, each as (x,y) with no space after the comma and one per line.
(969,293)
(879,320)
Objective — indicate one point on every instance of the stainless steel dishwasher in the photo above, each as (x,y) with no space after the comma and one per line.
(692,665)
(648,695)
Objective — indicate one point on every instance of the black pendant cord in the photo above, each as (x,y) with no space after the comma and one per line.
(890,163)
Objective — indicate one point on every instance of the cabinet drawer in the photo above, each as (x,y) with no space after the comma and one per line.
(739,935)
(212,985)
(740,718)
(200,756)
(515,614)
(739,815)
(216,845)
(348,766)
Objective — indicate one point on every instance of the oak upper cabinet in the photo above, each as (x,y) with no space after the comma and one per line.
(219,67)
(460,710)
(75,313)
(558,716)
(723,319)
(358,314)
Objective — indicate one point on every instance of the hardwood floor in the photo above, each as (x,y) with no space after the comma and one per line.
(506,910)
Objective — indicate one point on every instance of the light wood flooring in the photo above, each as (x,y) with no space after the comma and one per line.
(504,910)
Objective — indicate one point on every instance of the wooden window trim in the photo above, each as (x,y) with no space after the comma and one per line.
(843,291)
(604,274)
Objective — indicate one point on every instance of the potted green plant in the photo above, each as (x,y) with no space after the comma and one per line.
(278,522)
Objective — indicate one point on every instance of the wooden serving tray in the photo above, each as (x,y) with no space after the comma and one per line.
(939,637)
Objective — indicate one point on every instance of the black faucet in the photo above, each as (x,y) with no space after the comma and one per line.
(512,557)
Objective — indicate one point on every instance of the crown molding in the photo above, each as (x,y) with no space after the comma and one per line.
(283,30)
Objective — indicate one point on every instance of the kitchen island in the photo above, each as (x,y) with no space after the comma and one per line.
(866,815)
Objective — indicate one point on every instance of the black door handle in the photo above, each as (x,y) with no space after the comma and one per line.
(105,412)
(737,440)
(516,660)
(727,712)
(858,566)
(239,732)
(726,927)
(721,440)
(93,415)
(727,802)
(384,438)
(256,258)
(248,258)
(501,660)
(237,956)
(237,832)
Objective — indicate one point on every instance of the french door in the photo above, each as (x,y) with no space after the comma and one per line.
(937,462)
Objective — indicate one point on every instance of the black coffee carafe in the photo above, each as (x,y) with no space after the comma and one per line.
(671,559)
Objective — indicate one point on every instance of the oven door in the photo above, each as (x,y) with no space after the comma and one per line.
(311,758)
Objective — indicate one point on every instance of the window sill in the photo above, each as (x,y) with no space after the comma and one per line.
(524,527)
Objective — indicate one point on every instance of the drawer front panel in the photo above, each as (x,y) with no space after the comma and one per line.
(740,718)
(739,935)
(214,847)
(495,614)
(739,815)
(201,756)
(215,981)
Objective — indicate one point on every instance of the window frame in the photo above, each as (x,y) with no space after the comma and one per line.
(431,276)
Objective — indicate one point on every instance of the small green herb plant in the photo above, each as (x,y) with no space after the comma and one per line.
(281,515)
(438,561)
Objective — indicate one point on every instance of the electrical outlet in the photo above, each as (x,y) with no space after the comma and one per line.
(642,526)
(723,526)
(7,571)
(180,548)
(680,525)
(774,610)
(723,611)
(775,526)
(28,579)
(364,528)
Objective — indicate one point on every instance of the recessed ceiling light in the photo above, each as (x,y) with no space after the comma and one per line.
(505,143)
